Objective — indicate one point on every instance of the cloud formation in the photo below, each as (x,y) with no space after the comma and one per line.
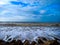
(33,10)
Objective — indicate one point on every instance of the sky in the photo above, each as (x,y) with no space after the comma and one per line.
(30,10)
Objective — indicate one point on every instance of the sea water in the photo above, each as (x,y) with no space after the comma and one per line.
(8,33)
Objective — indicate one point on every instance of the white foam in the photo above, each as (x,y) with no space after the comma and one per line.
(30,33)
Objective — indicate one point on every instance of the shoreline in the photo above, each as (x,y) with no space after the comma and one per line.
(30,24)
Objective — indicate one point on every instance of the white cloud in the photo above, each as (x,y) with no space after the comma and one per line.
(1,3)
(42,11)
(12,12)
(15,18)
(4,2)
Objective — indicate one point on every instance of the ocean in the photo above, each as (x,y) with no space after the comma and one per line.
(9,33)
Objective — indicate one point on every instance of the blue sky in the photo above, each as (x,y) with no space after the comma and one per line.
(30,10)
